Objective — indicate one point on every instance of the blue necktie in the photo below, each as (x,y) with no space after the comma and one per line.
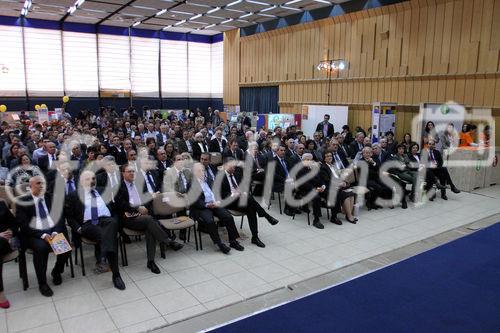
(94,215)
(150,180)
(284,167)
(43,215)
(71,187)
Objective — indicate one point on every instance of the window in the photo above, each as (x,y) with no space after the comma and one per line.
(199,69)
(144,70)
(80,64)
(12,79)
(174,80)
(44,70)
(217,68)
(114,63)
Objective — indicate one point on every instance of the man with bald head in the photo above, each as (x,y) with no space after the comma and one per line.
(90,217)
(38,227)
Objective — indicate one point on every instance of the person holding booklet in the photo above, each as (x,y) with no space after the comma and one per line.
(38,228)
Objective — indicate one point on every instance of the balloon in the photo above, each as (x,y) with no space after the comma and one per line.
(3,108)
(37,107)
(66,99)
(43,106)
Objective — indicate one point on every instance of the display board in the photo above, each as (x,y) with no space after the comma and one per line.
(312,115)
(383,119)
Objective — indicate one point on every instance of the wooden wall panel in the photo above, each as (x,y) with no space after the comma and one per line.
(408,53)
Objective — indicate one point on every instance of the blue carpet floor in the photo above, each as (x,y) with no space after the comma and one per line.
(453,288)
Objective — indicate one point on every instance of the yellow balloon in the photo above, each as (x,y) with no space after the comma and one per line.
(43,106)
(66,99)
(3,108)
(37,107)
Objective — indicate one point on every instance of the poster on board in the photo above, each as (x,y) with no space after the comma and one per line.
(383,119)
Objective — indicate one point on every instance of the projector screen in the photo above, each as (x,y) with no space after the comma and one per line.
(313,114)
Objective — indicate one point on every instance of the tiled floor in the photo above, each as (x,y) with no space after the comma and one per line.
(195,282)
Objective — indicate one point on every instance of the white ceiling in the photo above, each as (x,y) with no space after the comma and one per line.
(180,16)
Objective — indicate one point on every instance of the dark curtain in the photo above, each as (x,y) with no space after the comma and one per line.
(261,99)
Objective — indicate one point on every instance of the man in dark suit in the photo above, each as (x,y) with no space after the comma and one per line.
(339,159)
(233,151)
(210,169)
(199,146)
(162,165)
(117,151)
(281,176)
(325,127)
(343,145)
(217,145)
(205,207)
(185,144)
(45,162)
(162,136)
(130,207)
(357,145)
(374,183)
(37,228)
(436,168)
(92,219)
(230,188)
(312,185)
(148,177)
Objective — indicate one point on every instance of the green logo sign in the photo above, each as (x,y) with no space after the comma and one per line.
(445,109)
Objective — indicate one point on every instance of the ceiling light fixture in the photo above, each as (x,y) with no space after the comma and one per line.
(293,1)
(161,12)
(257,2)
(324,1)
(26,8)
(167,27)
(246,15)
(213,10)
(266,15)
(209,26)
(269,8)
(195,17)
(226,21)
(291,8)
(73,8)
(180,22)
(234,3)
(136,23)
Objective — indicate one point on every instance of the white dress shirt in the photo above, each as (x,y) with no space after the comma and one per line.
(102,209)
(38,221)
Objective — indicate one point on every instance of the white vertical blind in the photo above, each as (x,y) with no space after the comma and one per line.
(44,69)
(12,76)
(199,71)
(217,69)
(174,73)
(80,64)
(144,70)
(114,62)
(188,69)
